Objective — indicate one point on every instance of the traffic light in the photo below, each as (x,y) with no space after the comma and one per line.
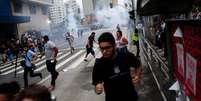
(111,5)
(132,14)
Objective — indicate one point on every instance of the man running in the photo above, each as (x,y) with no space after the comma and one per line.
(70,39)
(89,46)
(51,53)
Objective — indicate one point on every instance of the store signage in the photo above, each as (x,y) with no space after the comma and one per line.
(180,59)
(191,71)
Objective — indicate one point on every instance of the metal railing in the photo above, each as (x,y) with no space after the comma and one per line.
(157,65)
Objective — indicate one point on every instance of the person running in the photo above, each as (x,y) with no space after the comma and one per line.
(89,46)
(51,52)
(121,42)
(112,72)
(135,40)
(70,39)
(30,56)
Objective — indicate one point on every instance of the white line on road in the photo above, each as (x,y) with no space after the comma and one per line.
(5,69)
(62,63)
(8,64)
(12,70)
(43,66)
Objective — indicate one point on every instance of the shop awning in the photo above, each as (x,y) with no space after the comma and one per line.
(14,19)
(151,7)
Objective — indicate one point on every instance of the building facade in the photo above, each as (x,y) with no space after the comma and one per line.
(74,9)
(90,6)
(57,12)
(37,10)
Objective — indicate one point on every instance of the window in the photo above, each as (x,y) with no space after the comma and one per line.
(44,10)
(32,9)
(17,7)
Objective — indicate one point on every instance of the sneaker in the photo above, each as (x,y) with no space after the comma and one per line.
(41,77)
(85,60)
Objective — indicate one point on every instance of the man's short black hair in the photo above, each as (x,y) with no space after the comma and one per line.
(93,33)
(106,37)
(9,89)
(45,37)
(120,32)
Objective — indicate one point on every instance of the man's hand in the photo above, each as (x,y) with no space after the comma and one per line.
(99,88)
(136,80)
(136,75)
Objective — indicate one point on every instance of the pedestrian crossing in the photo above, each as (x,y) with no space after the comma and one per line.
(62,58)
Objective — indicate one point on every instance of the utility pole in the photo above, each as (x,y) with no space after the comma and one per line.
(133,9)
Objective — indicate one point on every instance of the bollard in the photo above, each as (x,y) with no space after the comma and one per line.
(53,98)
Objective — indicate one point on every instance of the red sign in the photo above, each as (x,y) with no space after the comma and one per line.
(180,59)
(191,71)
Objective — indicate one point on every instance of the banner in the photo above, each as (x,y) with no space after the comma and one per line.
(191,70)
(180,59)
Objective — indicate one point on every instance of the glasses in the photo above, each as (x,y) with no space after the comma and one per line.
(105,48)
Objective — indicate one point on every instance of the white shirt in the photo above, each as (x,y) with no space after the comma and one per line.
(29,57)
(119,43)
(49,51)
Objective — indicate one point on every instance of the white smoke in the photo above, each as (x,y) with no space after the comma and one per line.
(72,23)
(110,17)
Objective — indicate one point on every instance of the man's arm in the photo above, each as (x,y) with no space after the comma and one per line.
(55,52)
(136,75)
(136,71)
(97,78)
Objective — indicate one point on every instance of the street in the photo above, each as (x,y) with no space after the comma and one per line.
(74,81)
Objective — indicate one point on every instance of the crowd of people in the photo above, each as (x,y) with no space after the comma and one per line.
(115,73)
(11,91)
(14,48)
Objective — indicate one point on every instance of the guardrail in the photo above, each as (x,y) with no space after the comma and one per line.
(157,65)
(152,54)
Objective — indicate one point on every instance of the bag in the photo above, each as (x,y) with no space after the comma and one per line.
(33,66)
(22,63)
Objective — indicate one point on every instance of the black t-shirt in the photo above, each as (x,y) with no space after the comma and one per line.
(91,39)
(116,76)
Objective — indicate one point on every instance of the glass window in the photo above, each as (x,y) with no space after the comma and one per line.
(32,9)
(17,7)
(44,10)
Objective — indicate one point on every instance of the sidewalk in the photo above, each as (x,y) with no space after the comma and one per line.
(75,85)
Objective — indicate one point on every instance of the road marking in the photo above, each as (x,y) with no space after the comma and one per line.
(61,64)
(44,66)
(78,61)
(38,63)
(1,67)
(12,70)
(75,63)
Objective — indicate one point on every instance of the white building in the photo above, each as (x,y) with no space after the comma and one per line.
(37,10)
(57,12)
(72,7)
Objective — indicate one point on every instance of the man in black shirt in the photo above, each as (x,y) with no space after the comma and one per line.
(112,73)
(89,46)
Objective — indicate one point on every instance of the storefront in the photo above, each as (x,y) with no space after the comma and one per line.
(8,22)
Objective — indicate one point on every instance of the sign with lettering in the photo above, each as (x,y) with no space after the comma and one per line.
(180,59)
(191,71)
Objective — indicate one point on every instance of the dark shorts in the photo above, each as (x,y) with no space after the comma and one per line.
(90,50)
